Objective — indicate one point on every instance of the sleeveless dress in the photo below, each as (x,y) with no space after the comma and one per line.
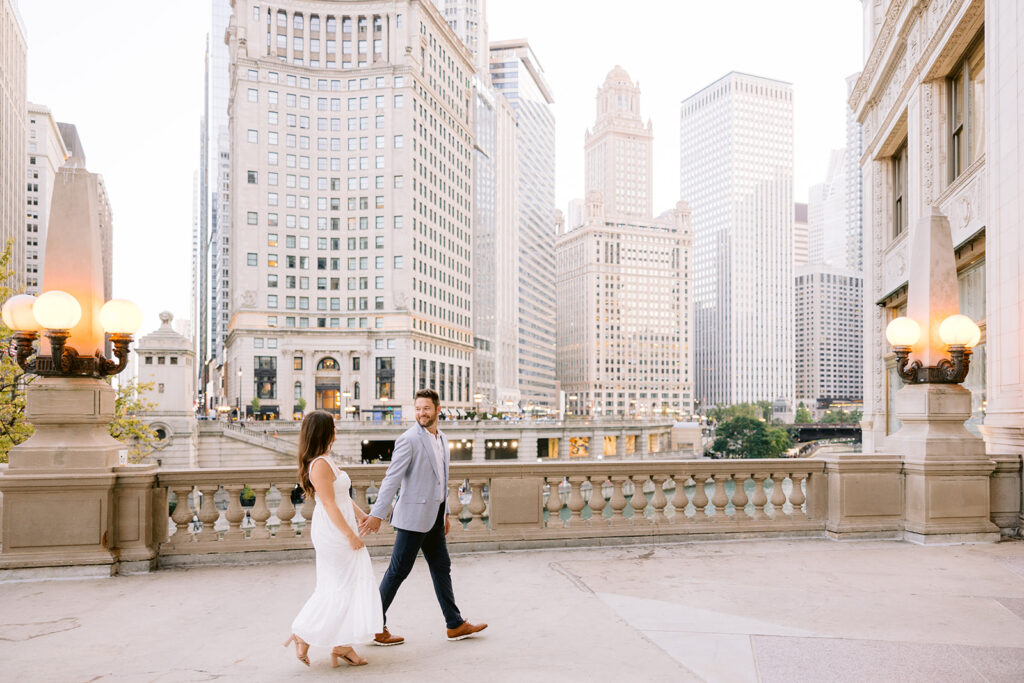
(345,607)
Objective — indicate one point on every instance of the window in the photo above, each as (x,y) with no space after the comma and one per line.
(297,363)
(253,95)
(328,364)
(899,190)
(250,259)
(253,136)
(967,111)
(398,262)
(271,301)
(399,142)
(252,218)
(253,177)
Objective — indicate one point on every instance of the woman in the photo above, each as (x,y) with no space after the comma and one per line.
(345,606)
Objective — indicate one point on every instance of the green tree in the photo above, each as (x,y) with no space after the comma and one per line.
(255,403)
(803,416)
(765,408)
(301,403)
(127,425)
(14,429)
(746,437)
(722,413)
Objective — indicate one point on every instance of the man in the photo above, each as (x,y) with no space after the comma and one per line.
(418,473)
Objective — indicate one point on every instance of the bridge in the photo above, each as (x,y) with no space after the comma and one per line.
(816,431)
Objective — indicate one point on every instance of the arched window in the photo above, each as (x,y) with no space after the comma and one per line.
(297,21)
(327,364)
(282,19)
(298,390)
(355,391)
(314,23)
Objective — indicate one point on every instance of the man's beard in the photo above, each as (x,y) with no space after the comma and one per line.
(429,421)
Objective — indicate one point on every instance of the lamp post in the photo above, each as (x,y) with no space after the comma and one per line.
(347,394)
(958,332)
(238,400)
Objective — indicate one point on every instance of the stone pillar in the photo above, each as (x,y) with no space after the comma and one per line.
(563,445)
(1004,243)
(479,447)
(528,446)
(620,445)
(596,449)
(643,443)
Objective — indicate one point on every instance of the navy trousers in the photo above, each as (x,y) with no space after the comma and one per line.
(435,550)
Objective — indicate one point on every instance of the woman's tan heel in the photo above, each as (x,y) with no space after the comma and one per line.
(301,648)
(349,655)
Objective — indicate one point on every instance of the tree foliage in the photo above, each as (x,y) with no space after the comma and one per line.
(127,426)
(803,416)
(747,437)
(842,417)
(762,410)
(13,427)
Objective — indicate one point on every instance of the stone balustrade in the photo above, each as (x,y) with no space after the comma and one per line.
(499,505)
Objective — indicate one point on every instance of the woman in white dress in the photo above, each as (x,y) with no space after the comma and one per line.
(345,607)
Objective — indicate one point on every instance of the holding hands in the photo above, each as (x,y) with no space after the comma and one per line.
(369,525)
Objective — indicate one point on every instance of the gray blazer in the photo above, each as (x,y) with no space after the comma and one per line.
(413,475)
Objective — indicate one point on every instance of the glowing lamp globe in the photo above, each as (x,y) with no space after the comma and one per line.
(903,331)
(17,314)
(57,310)
(120,316)
(959,330)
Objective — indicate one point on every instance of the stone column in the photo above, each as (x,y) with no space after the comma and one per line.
(563,445)
(528,446)
(479,447)
(643,444)
(1004,261)
(596,449)
(620,445)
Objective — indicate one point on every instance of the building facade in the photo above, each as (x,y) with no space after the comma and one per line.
(801,254)
(624,314)
(46,154)
(166,362)
(828,330)
(517,75)
(13,130)
(938,102)
(736,174)
(827,221)
(351,204)
(854,187)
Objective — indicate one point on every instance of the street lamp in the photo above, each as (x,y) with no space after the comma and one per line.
(238,410)
(958,332)
(57,312)
(347,394)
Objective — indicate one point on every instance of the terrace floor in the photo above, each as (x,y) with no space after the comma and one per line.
(771,610)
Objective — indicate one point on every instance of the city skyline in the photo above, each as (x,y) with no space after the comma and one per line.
(153,210)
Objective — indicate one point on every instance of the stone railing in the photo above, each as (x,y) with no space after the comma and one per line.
(513,505)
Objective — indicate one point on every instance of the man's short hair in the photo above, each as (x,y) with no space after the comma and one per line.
(428,393)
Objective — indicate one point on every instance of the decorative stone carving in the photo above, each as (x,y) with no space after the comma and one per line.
(249,299)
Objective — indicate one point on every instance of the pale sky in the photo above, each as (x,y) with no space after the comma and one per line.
(129,74)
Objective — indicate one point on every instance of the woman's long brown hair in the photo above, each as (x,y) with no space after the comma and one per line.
(315,439)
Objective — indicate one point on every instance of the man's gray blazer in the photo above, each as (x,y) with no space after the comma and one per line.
(413,475)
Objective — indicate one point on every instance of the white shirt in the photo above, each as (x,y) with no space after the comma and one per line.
(439,455)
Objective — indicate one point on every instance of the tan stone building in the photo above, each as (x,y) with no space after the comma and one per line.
(623,277)
(939,101)
(46,153)
(350,203)
(13,105)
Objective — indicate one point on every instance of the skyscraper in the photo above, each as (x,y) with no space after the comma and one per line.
(623,277)
(350,203)
(516,73)
(854,191)
(46,154)
(12,132)
(736,173)
(828,327)
(827,216)
(619,160)
(800,227)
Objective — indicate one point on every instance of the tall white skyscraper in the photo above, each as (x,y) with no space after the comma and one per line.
(351,207)
(854,191)
(516,73)
(827,219)
(828,327)
(46,154)
(800,227)
(736,173)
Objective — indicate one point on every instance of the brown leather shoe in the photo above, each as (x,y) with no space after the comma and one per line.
(465,630)
(385,639)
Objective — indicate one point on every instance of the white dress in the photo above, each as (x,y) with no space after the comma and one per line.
(345,607)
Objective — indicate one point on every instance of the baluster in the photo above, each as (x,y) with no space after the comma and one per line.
(454,506)
(659,501)
(759,498)
(618,501)
(679,500)
(796,495)
(477,505)
(182,516)
(597,499)
(260,512)
(778,495)
(308,506)
(285,511)
(208,514)
(639,501)
(700,498)
(235,514)
(360,498)
(719,498)
(576,502)
(554,504)
(739,497)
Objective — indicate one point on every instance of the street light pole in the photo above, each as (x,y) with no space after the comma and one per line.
(238,410)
